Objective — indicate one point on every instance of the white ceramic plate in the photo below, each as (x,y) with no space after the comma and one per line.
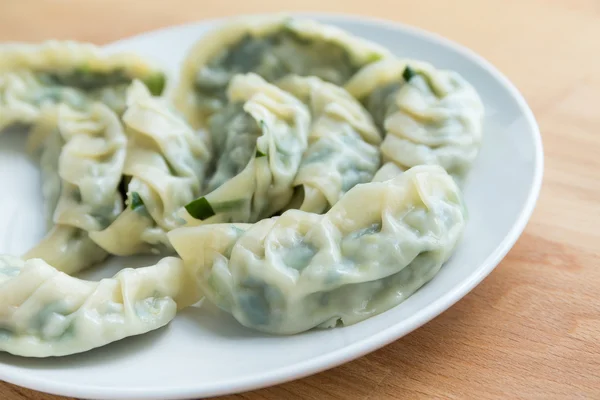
(204,352)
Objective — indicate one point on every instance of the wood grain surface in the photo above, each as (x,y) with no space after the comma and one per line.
(532,328)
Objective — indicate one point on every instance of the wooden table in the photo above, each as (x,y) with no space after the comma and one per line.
(532,328)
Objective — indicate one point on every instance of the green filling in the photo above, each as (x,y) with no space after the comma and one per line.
(156,83)
(381,102)
(136,201)
(228,206)
(41,319)
(272,57)
(408,73)
(85,79)
(300,256)
(5,334)
(259,153)
(234,133)
(318,153)
(200,209)
(260,301)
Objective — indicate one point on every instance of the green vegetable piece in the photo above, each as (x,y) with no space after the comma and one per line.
(156,83)
(374,57)
(259,153)
(200,209)
(85,78)
(408,73)
(229,206)
(136,201)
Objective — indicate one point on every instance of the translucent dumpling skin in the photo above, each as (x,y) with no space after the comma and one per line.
(342,144)
(429,116)
(271,47)
(45,312)
(307,178)
(374,248)
(34,77)
(164,170)
(259,140)
(82,156)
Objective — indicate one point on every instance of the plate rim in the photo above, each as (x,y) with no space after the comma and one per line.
(364,346)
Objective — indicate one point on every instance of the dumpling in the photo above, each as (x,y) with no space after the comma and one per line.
(45,312)
(259,139)
(82,184)
(33,77)
(271,47)
(342,150)
(429,116)
(164,170)
(369,252)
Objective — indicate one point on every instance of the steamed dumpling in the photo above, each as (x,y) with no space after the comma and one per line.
(164,170)
(45,312)
(374,248)
(33,77)
(271,47)
(429,116)
(82,158)
(342,150)
(259,139)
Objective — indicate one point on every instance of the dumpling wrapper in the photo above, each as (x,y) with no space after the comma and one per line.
(82,183)
(342,150)
(375,247)
(434,118)
(36,76)
(272,47)
(45,313)
(164,169)
(259,140)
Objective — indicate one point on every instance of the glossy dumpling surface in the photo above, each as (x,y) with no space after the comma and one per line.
(259,139)
(82,183)
(429,116)
(164,170)
(36,76)
(343,146)
(271,47)
(45,312)
(373,249)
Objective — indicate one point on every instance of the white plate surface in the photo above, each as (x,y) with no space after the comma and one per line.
(204,352)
